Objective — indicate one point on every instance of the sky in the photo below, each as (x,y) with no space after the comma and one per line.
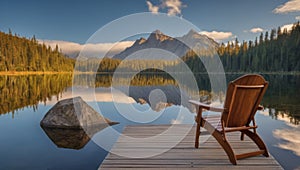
(75,21)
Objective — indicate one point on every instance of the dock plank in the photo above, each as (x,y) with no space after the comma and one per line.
(210,155)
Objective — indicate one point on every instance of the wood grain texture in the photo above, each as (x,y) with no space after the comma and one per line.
(242,101)
(209,155)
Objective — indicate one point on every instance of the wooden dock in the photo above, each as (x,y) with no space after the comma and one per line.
(210,155)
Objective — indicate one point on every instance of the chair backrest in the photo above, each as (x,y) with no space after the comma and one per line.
(242,99)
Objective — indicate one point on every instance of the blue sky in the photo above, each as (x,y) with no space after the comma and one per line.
(76,21)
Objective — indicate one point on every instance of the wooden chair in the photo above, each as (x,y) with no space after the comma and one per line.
(242,102)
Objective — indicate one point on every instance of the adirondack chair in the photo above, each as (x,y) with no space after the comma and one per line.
(242,102)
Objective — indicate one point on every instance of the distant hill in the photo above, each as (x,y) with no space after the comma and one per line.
(161,46)
(23,54)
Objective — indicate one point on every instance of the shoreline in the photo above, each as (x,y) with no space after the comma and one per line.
(15,73)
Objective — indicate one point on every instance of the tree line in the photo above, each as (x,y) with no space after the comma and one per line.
(277,51)
(23,54)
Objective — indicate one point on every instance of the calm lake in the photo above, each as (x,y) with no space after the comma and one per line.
(26,99)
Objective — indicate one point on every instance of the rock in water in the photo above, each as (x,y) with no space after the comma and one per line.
(73,113)
(68,138)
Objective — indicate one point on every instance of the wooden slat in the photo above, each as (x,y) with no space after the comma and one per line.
(194,168)
(210,155)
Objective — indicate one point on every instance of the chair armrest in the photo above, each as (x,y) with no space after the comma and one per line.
(205,106)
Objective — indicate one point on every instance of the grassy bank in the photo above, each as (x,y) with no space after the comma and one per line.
(11,73)
(78,72)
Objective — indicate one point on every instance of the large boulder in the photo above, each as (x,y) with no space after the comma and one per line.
(73,113)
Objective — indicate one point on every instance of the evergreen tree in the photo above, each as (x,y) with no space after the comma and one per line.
(22,54)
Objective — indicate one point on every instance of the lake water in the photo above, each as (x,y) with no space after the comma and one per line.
(26,99)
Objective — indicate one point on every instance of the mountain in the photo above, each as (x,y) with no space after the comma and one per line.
(199,41)
(161,46)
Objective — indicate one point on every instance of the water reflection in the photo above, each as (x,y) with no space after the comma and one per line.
(17,92)
(99,94)
(67,138)
(286,115)
(159,97)
(72,138)
(282,96)
(282,93)
(289,137)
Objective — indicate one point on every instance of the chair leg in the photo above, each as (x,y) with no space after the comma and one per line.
(226,146)
(221,140)
(198,120)
(197,136)
(242,136)
(257,140)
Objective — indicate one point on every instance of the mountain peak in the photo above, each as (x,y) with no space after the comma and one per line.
(192,32)
(158,35)
(178,45)
(157,32)
(194,37)
(140,41)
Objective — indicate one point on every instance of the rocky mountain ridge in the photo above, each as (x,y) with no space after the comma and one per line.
(161,46)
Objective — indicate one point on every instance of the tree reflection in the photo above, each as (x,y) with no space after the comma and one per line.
(282,96)
(17,92)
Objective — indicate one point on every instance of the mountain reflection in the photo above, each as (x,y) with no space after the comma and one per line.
(16,92)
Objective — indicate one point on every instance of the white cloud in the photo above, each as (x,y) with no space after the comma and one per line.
(256,30)
(90,50)
(217,35)
(297,17)
(173,7)
(290,6)
(287,26)
(152,8)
